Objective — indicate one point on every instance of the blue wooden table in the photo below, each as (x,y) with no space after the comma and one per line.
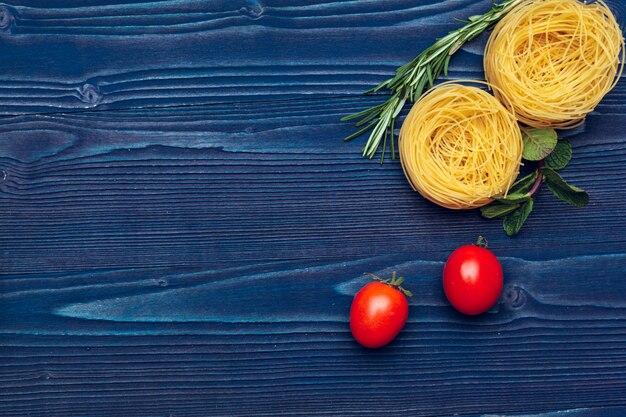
(182,228)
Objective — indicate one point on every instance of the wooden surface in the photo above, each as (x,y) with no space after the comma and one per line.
(182,228)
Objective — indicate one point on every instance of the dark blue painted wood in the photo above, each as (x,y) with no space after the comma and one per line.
(109,56)
(183,229)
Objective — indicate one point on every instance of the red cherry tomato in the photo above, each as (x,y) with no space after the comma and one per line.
(378,313)
(472,279)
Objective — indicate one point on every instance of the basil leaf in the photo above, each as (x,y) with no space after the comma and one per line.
(570,194)
(514,198)
(514,221)
(493,211)
(538,143)
(524,185)
(560,156)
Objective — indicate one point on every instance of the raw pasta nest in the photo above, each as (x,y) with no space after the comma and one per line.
(460,147)
(554,60)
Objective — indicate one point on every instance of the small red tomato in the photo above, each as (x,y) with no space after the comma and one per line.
(379,311)
(472,279)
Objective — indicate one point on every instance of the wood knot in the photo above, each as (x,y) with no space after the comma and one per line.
(514,297)
(8,17)
(4,175)
(90,95)
(253,9)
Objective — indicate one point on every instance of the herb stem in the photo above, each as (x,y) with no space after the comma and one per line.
(417,76)
(537,183)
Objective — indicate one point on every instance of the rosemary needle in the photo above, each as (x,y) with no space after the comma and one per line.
(413,78)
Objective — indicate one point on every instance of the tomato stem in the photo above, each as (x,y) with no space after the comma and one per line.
(482,242)
(392,282)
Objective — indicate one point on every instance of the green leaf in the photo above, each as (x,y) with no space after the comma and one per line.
(361,131)
(560,156)
(362,113)
(570,194)
(538,143)
(419,89)
(446,63)
(496,210)
(514,221)
(393,149)
(429,74)
(524,185)
(514,198)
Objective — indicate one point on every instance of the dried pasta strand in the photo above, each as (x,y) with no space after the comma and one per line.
(459,147)
(555,60)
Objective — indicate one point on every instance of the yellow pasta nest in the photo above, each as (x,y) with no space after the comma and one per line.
(555,60)
(460,147)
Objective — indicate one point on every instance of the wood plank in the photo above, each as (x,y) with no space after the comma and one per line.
(183,228)
(237,178)
(194,261)
(180,53)
(241,342)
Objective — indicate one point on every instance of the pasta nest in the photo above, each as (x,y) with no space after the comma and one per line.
(554,60)
(459,147)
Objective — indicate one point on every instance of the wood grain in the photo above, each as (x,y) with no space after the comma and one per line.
(182,229)
(202,261)
(181,53)
(241,342)
(235,179)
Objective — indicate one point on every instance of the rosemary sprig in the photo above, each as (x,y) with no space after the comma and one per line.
(413,78)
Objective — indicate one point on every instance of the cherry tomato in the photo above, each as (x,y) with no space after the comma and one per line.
(472,279)
(378,313)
